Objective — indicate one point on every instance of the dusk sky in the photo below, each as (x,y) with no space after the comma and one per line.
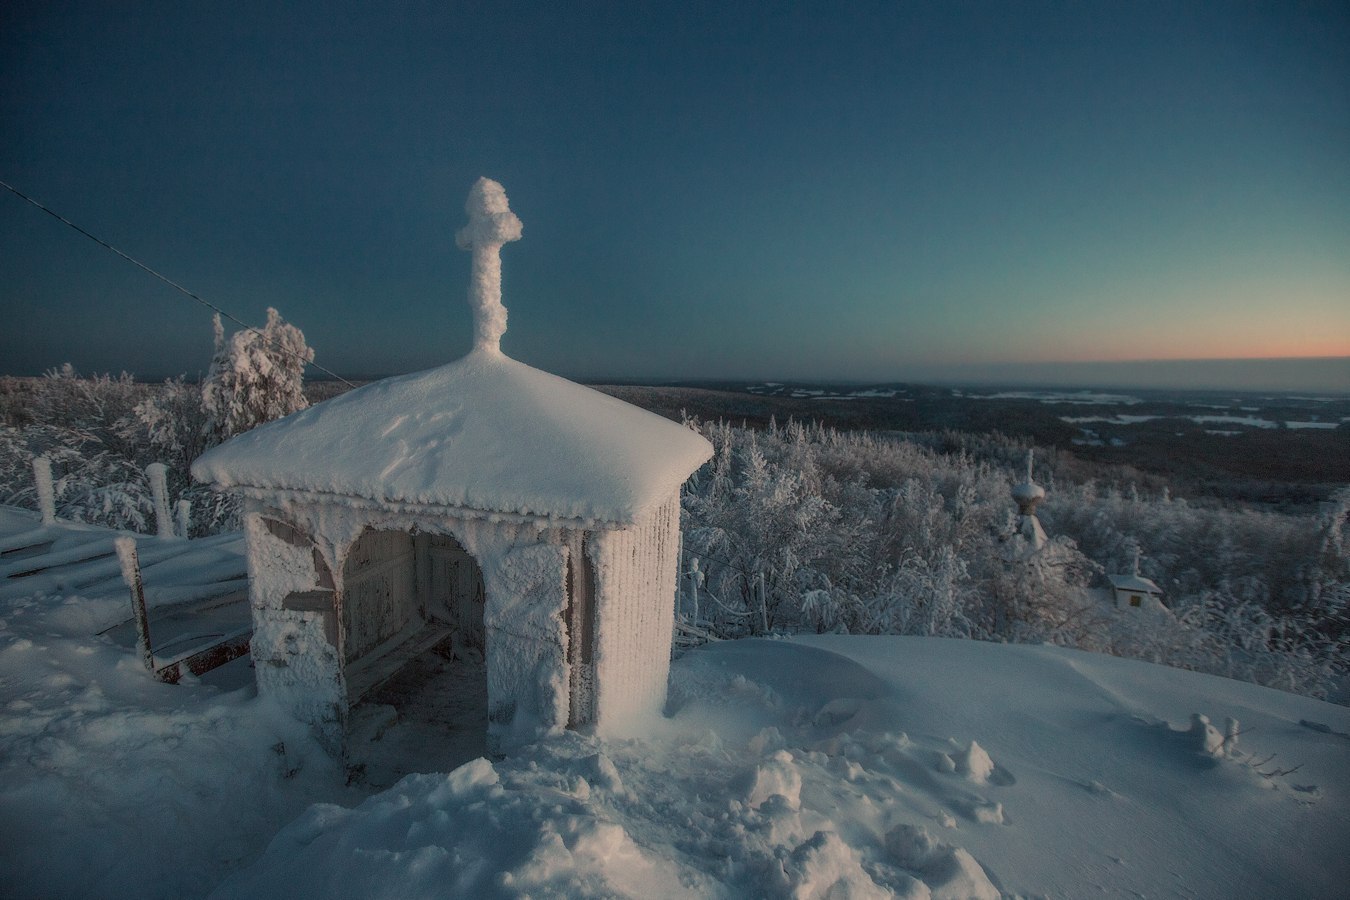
(835,190)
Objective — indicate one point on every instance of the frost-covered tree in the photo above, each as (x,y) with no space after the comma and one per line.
(806,528)
(257,375)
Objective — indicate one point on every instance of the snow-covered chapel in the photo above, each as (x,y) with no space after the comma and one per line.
(512,512)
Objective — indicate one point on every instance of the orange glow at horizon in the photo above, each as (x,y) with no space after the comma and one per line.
(1329,349)
(1274,334)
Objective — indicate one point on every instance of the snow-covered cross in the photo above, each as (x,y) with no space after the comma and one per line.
(491,224)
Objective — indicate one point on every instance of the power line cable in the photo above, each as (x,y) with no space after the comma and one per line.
(171,283)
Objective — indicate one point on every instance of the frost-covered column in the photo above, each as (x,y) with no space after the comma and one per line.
(182,515)
(527,678)
(295,643)
(491,224)
(42,479)
(636,568)
(158,473)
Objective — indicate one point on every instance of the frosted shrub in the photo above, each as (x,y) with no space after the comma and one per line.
(255,377)
(92,406)
(106,490)
(99,434)
(101,431)
(875,534)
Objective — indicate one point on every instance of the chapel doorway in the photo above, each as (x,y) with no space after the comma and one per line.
(414,651)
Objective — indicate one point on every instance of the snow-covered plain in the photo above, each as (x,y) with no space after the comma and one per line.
(1086,398)
(810,767)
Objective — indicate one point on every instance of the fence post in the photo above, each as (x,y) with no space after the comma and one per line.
(183,514)
(159,493)
(42,481)
(131,574)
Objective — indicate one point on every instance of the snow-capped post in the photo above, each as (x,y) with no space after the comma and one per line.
(158,473)
(131,575)
(182,511)
(491,224)
(42,480)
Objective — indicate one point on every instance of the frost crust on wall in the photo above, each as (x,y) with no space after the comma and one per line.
(526,644)
(634,612)
(524,579)
(295,662)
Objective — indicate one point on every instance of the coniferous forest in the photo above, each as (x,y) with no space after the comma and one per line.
(802,527)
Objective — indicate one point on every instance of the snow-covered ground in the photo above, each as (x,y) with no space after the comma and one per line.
(808,767)
(812,767)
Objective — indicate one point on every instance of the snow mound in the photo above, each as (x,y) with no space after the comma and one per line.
(950,873)
(112,784)
(974,763)
(466,834)
(1208,741)
(482,433)
(776,777)
(825,868)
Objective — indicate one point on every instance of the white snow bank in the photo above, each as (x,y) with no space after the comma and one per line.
(787,770)
(467,834)
(484,432)
(804,768)
(113,784)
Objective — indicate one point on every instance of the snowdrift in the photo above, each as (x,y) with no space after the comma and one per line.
(812,767)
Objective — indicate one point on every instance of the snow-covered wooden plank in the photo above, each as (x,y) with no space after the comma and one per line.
(384,662)
(204,660)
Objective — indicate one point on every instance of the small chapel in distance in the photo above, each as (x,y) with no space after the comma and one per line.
(486,503)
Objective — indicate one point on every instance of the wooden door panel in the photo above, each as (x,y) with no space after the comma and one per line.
(380,590)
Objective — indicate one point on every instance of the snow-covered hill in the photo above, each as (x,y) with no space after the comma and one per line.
(865,767)
(812,767)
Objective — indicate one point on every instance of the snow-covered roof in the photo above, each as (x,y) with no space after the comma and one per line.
(1134,583)
(484,432)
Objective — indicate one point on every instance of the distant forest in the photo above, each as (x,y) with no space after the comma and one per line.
(1281,466)
(827,516)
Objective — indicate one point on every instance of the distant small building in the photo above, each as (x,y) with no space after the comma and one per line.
(1030,538)
(514,513)
(1134,590)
